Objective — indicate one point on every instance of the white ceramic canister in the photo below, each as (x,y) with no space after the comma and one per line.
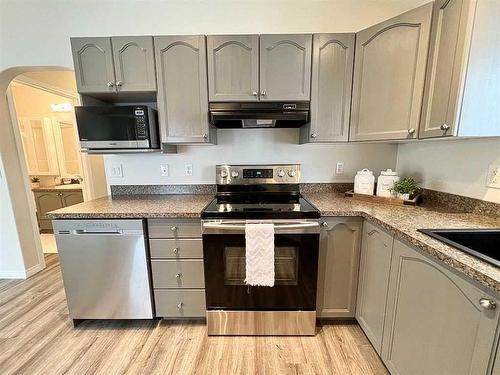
(385,183)
(364,182)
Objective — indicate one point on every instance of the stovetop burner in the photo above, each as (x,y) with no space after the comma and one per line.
(259,192)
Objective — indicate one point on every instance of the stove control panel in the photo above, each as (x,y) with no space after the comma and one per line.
(257,174)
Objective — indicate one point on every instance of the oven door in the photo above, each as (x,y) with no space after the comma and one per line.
(296,267)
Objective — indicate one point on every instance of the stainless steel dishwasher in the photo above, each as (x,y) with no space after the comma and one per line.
(105,269)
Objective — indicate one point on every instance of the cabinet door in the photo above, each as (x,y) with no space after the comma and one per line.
(332,66)
(233,67)
(434,323)
(134,63)
(47,201)
(374,270)
(285,67)
(67,147)
(338,267)
(496,363)
(71,198)
(93,60)
(182,88)
(445,67)
(39,145)
(389,72)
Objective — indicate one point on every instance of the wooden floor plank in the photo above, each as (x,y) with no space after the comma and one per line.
(37,337)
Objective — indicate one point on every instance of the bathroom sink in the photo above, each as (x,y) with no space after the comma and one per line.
(482,243)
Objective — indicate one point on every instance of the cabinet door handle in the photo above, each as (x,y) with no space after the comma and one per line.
(180,305)
(324,224)
(178,276)
(175,250)
(488,304)
(110,84)
(445,127)
(205,136)
(119,83)
(411,131)
(372,232)
(314,135)
(173,229)
(255,93)
(263,93)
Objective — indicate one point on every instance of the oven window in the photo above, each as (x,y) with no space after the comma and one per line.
(285,265)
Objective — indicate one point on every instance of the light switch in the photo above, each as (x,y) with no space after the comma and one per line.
(188,169)
(116,170)
(164,170)
(339,168)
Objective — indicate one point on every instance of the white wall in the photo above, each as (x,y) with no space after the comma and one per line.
(454,166)
(254,146)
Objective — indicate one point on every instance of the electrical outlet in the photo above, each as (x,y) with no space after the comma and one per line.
(116,170)
(164,170)
(339,168)
(493,180)
(188,169)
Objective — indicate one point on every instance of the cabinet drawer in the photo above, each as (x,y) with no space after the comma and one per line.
(174,228)
(176,248)
(186,273)
(176,303)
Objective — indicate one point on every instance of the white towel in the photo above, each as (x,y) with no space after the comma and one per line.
(259,254)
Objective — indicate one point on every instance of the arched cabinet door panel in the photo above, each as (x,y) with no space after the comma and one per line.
(285,67)
(233,67)
(435,323)
(182,89)
(134,63)
(389,73)
(93,60)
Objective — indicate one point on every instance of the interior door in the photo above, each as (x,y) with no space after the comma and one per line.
(389,72)
(94,68)
(233,67)
(134,63)
(285,67)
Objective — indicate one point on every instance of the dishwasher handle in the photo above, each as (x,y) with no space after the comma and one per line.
(118,232)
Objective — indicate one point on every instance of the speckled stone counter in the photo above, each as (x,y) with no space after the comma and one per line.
(70,187)
(136,206)
(404,222)
(401,221)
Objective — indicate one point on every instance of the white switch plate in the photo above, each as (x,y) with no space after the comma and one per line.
(339,168)
(116,170)
(164,170)
(493,180)
(188,169)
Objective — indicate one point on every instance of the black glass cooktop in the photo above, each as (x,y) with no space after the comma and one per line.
(297,208)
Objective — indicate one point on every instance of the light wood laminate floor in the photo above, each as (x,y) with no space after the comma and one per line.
(37,337)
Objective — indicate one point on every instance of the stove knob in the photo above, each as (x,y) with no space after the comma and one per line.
(291,173)
(223,173)
(235,174)
(281,173)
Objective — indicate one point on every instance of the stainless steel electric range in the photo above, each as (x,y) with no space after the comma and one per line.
(267,194)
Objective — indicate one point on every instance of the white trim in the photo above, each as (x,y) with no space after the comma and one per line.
(34,269)
(13,275)
(45,87)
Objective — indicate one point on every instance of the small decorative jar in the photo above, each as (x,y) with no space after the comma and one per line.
(364,182)
(385,183)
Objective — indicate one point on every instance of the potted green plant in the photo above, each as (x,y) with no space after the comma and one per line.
(406,188)
(35,182)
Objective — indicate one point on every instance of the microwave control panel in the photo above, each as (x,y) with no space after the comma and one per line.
(141,115)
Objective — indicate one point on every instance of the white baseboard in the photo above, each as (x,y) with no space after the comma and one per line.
(33,270)
(13,275)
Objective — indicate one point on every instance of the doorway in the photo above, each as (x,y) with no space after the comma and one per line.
(42,106)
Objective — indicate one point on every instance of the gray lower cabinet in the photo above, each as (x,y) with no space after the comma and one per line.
(47,201)
(375,264)
(389,73)
(285,67)
(116,64)
(177,269)
(182,89)
(340,241)
(233,67)
(435,323)
(331,85)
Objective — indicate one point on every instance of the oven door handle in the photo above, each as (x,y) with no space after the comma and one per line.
(276,226)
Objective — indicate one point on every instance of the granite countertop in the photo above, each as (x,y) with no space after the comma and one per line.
(401,221)
(69,187)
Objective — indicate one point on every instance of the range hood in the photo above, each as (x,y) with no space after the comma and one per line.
(231,115)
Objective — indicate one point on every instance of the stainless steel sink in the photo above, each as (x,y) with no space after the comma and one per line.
(482,243)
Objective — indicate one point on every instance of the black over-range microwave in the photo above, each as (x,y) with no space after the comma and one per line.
(117,127)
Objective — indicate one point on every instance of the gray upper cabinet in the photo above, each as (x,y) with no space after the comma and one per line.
(340,242)
(117,64)
(445,66)
(93,60)
(182,89)
(233,67)
(389,74)
(134,63)
(373,284)
(331,84)
(285,67)
(435,323)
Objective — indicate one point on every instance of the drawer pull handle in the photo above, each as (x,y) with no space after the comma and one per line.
(178,276)
(173,229)
(175,250)
(180,305)
(324,224)
(372,232)
(488,304)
